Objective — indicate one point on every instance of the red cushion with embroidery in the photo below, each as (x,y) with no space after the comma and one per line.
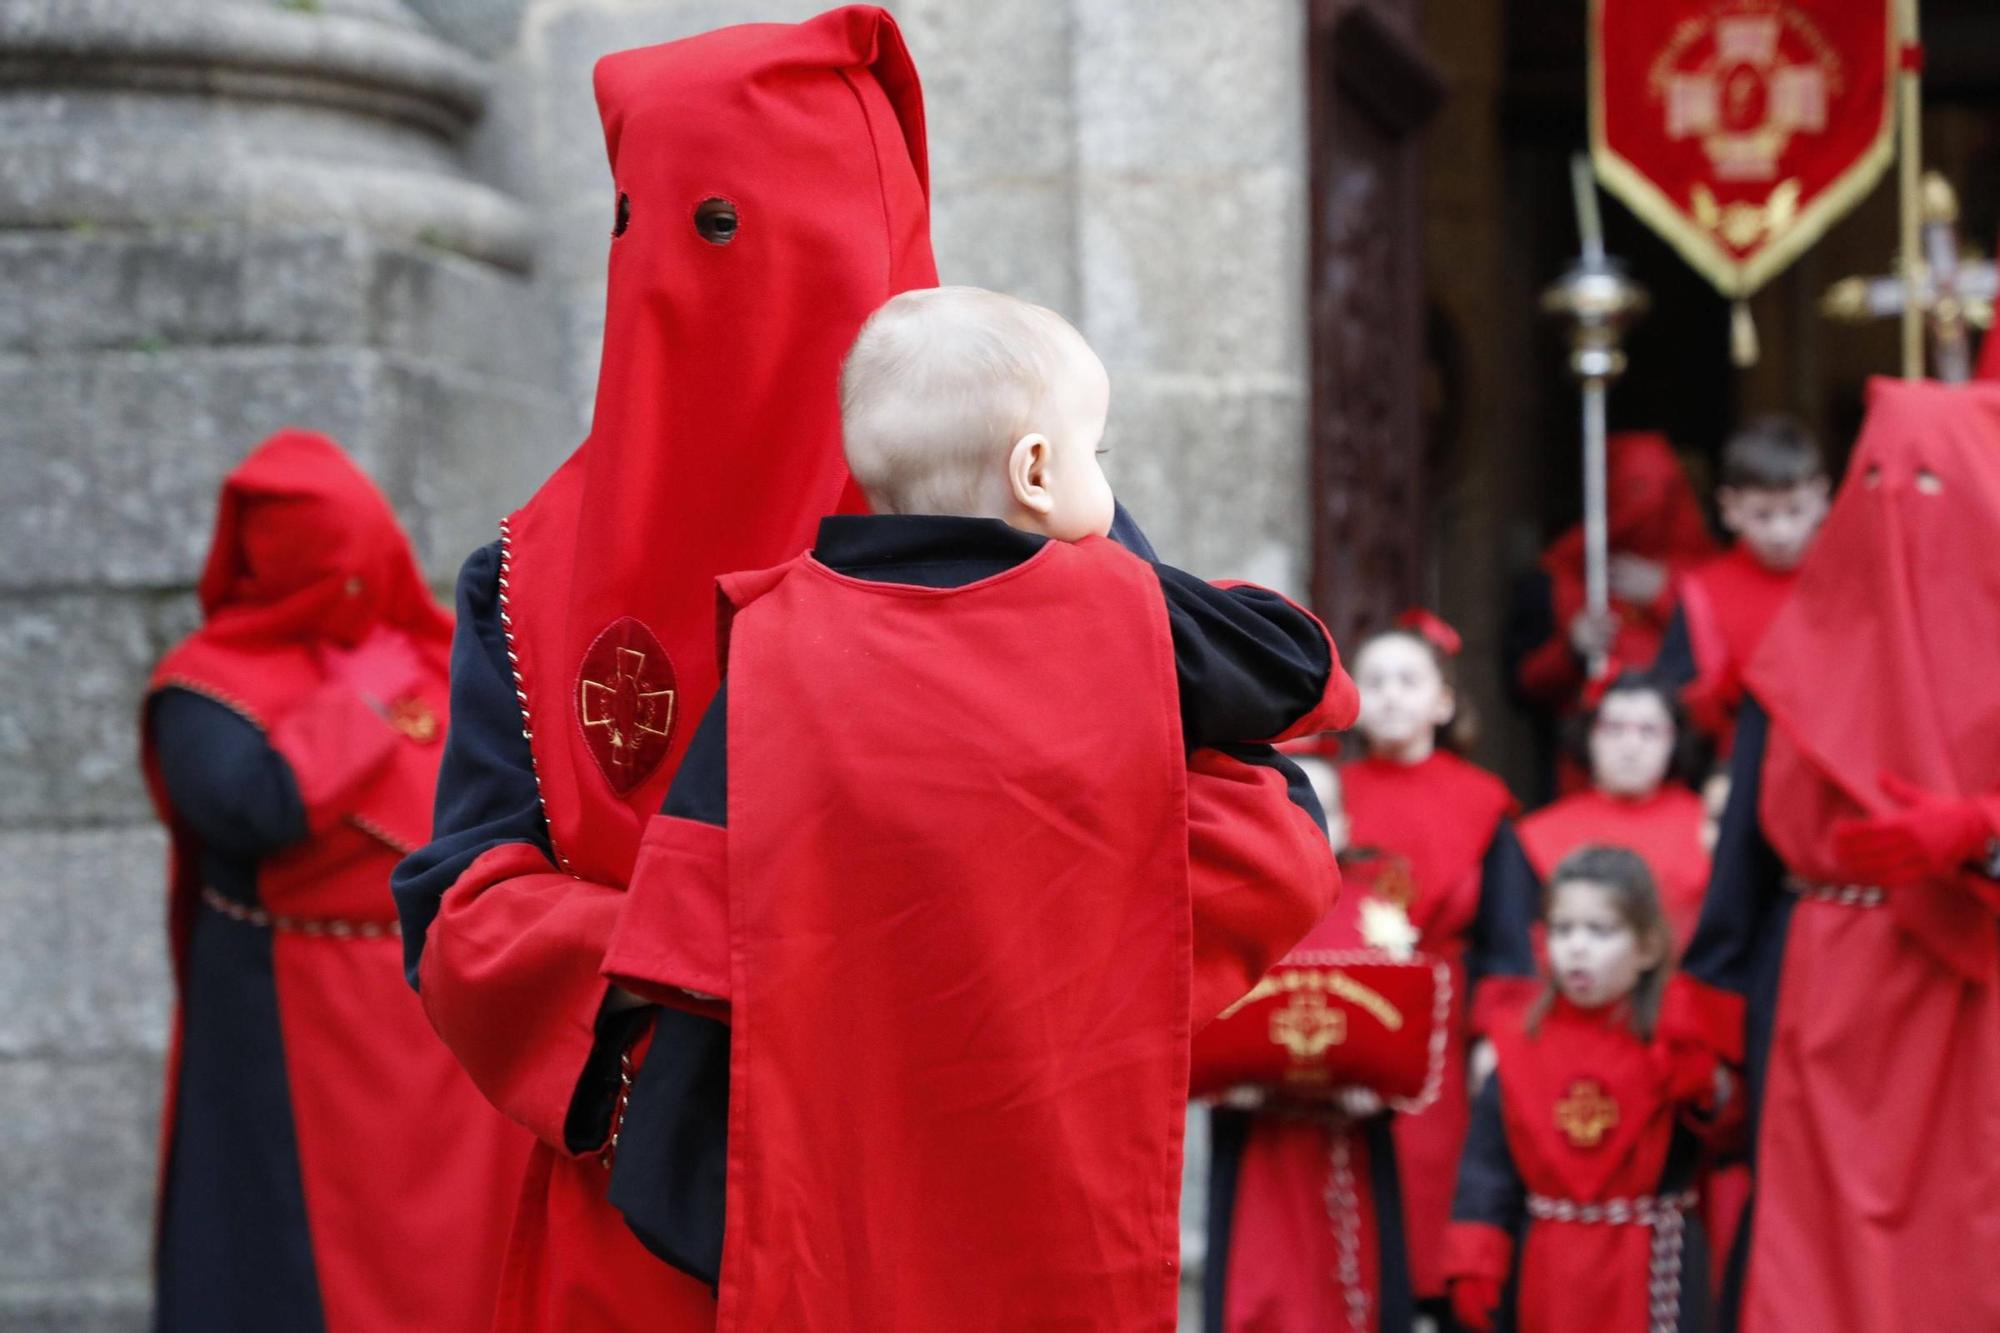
(1322,1020)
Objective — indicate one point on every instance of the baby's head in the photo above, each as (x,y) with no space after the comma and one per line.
(957,400)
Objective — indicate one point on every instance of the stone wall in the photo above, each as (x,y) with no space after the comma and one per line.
(387,219)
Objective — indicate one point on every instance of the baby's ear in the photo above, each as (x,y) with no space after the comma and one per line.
(1027,467)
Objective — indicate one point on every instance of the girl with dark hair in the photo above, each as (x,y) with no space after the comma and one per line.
(1639,752)
(1584,1144)
(1473,892)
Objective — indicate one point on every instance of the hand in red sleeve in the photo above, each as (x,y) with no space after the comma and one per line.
(1931,837)
(1473,1301)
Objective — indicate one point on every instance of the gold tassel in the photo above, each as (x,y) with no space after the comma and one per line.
(1742,335)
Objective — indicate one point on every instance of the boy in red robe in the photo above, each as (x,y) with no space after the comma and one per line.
(326,1164)
(1847,955)
(930,843)
(1772,499)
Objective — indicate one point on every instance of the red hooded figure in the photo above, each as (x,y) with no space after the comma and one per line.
(326,1164)
(1655,518)
(1854,884)
(772,192)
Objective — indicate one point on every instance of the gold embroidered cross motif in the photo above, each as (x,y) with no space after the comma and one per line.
(1306,1026)
(626,703)
(627,710)
(1586,1113)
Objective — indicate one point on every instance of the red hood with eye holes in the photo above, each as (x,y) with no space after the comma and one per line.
(1882,659)
(715,441)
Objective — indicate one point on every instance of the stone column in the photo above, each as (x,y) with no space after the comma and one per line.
(217,217)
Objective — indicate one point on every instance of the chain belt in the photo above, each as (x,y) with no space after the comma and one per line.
(327,927)
(1664,1213)
(1840,895)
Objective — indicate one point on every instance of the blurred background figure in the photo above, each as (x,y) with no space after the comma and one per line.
(1657,534)
(326,1163)
(1636,748)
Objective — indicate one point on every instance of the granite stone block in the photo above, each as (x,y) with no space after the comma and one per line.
(83,917)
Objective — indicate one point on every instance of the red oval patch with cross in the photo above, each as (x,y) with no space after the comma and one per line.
(625,703)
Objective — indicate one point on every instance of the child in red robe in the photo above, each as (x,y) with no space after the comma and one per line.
(327,1164)
(1772,499)
(1305,1216)
(1638,798)
(1577,1182)
(1474,899)
(930,845)
(1657,534)
(1848,957)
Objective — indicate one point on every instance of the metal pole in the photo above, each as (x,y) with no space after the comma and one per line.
(1596,525)
(1910,117)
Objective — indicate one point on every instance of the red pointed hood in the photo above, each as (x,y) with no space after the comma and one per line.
(307,547)
(1652,510)
(715,442)
(1881,659)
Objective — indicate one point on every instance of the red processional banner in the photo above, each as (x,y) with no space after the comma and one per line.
(1741,130)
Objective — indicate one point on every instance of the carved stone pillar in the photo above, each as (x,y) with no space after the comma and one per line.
(217,217)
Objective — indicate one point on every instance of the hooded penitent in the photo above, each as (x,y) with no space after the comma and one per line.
(769,191)
(771,188)
(326,1164)
(1877,664)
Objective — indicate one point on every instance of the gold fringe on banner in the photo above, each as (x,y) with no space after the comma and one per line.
(1742,335)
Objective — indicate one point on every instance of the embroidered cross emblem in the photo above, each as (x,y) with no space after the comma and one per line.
(626,703)
(1306,1027)
(626,708)
(1586,1113)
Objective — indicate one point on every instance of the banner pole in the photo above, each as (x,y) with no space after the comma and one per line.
(1909,87)
(1596,510)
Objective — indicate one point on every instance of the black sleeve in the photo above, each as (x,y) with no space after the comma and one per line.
(1489,1184)
(700,789)
(1509,895)
(1746,879)
(223,778)
(1250,663)
(486,792)
(1675,665)
(670,1170)
(1531,622)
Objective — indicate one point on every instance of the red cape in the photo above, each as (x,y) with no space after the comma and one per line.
(1664,829)
(1034,1185)
(714,445)
(406,1228)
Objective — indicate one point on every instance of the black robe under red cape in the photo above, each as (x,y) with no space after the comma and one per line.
(326,1165)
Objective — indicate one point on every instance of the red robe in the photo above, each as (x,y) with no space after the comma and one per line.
(1305,1239)
(949,1089)
(404,1168)
(1588,1113)
(1440,815)
(1878,1153)
(714,445)
(1728,604)
(1664,829)
(1653,513)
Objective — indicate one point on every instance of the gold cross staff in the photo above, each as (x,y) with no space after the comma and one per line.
(1954,293)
